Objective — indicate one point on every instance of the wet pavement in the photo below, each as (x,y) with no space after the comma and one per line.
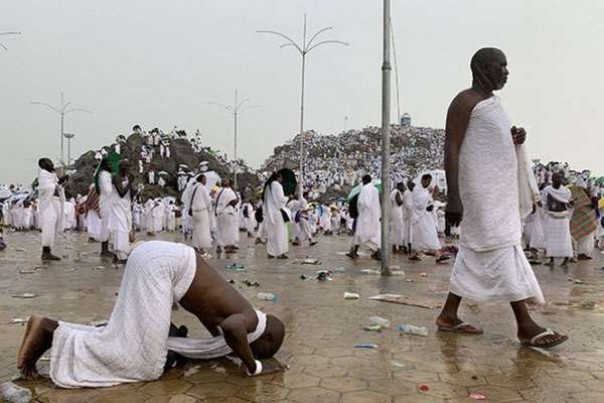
(323,328)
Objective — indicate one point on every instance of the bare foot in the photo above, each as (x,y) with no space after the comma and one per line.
(37,340)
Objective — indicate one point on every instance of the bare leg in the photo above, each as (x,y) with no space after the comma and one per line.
(528,328)
(449,319)
(37,340)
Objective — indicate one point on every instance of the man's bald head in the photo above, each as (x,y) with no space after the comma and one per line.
(489,69)
(267,345)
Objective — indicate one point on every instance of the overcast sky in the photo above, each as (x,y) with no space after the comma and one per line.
(156,63)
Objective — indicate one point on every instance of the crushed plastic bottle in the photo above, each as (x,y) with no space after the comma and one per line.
(14,394)
(415,330)
(267,296)
(351,295)
(369,346)
(383,322)
(369,271)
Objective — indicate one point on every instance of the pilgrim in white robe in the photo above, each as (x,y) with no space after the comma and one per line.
(227,233)
(368,222)
(105,202)
(304,224)
(94,225)
(157,217)
(50,206)
(274,225)
(396,220)
(133,346)
(201,206)
(490,264)
(407,214)
(120,222)
(558,240)
(425,235)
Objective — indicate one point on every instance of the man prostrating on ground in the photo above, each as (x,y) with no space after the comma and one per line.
(134,344)
(488,181)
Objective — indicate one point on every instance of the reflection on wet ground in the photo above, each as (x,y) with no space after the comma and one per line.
(323,329)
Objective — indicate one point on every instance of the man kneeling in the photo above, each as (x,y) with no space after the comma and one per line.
(134,344)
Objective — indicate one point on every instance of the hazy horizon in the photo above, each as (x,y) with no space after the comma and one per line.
(133,62)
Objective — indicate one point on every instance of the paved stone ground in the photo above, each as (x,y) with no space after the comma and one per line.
(323,329)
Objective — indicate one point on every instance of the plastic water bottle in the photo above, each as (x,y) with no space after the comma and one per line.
(383,322)
(267,296)
(14,394)
(410,329)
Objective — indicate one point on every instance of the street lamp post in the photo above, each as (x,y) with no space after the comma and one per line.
(305,48)
(8,33)
(234,109)
(386,70)
(69,136)
(62,111)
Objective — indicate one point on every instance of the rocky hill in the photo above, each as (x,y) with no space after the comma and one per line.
(182,152)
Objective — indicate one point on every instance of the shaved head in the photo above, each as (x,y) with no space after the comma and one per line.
(489,69)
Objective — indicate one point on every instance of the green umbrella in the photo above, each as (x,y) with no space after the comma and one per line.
(600,180)
(357,189)
(290,183)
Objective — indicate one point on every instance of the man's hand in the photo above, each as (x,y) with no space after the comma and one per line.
(272,366)
(454,211)
(518,135)
(63,179)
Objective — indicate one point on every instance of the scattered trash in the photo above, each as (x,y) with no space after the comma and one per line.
(370,271)
(267,296)
(303,276)
(373,328)
(368,346)
(26,295)
(29,271)
(192,370)
(98,323)
(383,322)
(477,396)
(251,283)
(398,364)
(474,378)
(231,281)
(235,267)
(99,268)
(409,280)
(14,394)
(397,273)
(219,369)
(323,275)
(577,281)
(415,330)
(423,388)
(340,270)
(351,295)
(19,249)
(424,275)
(418,301)
(313,261)
(19,320)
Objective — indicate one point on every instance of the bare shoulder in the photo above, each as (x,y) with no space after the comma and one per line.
(465,101)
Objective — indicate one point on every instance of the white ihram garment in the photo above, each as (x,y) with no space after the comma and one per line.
(304,225)
(93,225)
(407,214)
(274,225)
(120,222)
(367,231)
(425,235)
(201,204)
(134,344)
(49,206)
(490,264)
(558,240)
(396,220)
(226,218)
(105,202)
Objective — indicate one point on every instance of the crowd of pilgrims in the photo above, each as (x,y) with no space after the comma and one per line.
(212,215)
(340,161)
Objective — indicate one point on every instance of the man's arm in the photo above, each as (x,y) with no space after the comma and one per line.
(117,182)
(458,118)
(399,199)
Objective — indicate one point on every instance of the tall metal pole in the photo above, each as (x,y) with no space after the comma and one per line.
(61,111)
(307,47)
(62,128)
(386,69)
(302,113)
(235,143)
